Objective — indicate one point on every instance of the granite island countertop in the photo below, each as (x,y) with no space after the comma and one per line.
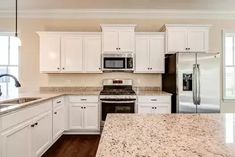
(168,135)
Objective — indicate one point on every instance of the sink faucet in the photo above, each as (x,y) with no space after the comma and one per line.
(17,83)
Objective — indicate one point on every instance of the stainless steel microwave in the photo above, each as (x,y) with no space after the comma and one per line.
(118,62)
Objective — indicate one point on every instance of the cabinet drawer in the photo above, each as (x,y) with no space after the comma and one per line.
(58,102)
(82,99)
(151,99)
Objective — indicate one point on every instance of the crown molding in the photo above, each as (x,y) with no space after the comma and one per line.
(119,14)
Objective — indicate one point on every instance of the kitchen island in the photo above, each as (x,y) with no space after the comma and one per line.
(168,135)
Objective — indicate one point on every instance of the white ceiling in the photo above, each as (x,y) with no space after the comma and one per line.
(224,5)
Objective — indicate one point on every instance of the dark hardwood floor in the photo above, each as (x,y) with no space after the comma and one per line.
(74,146)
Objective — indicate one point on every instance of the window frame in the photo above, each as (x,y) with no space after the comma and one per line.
(10,34)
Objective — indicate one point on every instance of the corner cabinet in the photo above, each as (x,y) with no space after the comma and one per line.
(78,52)
(187,38)
(150,52)
(84,113)
(118,38)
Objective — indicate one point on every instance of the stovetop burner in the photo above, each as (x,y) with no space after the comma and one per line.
(112,89)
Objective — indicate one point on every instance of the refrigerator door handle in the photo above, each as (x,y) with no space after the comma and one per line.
(198,85)
(194,85)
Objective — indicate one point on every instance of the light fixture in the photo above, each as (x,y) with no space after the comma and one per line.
(16,38)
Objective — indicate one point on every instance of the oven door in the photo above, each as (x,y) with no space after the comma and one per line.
(117,106)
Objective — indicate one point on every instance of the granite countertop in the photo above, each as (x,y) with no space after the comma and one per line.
(152,93)
(169,135)
(47,93)
(43,96)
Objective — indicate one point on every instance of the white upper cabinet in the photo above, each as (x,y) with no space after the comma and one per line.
(77,52)
(118,38)
(49,53)
(92,54)
(150,53)
(187,38)
(71,53)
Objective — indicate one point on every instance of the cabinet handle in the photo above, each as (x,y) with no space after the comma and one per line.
(58,102)
(83,99)
(55,112)
(153,99)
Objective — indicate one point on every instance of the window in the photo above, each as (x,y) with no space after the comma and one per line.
(9,61)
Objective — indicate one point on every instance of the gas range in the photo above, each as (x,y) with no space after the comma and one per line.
(117,89)
(117,96)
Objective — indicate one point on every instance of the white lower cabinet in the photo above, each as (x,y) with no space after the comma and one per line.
(58,117)
(41,134)
(28,139)
(16,142)
(154,104)
(84,113)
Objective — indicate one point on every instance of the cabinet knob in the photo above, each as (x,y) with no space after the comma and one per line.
(119,48)
(81,107)
(63,68)
(32,125)
(84,107)
(116,48)
(36,123)
(58,68)
(55,112)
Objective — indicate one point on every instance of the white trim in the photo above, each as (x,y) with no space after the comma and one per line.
(224,98)
(119,13)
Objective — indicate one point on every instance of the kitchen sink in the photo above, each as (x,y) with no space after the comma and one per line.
(17,101)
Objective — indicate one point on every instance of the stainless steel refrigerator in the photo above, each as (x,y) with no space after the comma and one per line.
(194,80)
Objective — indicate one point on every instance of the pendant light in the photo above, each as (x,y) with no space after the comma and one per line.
(16,38)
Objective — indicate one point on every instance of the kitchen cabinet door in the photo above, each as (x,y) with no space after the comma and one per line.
(110,40)
(145,108)
(58,121)
(76,116)
(41,134)
(50,53)
(156,54)
(176,40)
(92,53)
(162,108)
(126,40)
(142,54)
(91,117)
(197,39)
(72,54)
(16,142)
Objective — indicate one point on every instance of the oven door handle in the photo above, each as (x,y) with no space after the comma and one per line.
(118,102)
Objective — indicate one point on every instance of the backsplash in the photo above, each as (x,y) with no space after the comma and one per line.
(95,80)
